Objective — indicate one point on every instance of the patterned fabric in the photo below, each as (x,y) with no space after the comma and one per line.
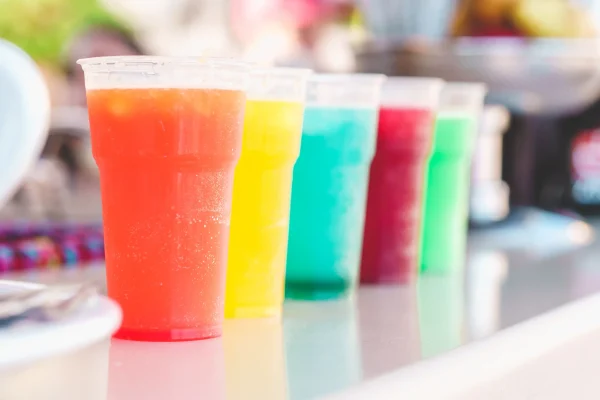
(25,246)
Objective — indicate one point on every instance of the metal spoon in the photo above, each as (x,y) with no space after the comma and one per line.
(44,304)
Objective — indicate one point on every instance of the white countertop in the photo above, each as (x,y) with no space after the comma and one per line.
(376,341)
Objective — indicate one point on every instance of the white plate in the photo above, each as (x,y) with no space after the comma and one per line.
(24,116)
(25,343)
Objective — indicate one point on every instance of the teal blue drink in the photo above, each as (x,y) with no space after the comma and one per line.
(329,187)
(329,192)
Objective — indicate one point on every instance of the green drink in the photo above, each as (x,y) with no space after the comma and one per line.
(444,232)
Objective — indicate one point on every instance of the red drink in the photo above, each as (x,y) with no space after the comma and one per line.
(166,159)
(396,185)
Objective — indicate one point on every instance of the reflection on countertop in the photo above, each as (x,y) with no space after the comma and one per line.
(140,370)
(320,348)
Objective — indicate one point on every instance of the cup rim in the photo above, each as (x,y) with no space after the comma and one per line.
(437,83)
(133,63)
(347,78)
(282,71)
(472,87)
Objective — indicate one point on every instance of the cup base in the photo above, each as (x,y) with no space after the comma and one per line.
(389,280)
(252,312)
(316,291)
(168,335)
(441,268)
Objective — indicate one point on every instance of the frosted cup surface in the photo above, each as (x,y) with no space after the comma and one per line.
(166,135)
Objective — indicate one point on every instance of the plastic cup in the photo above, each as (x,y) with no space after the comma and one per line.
(166,135)
(445,219)
(262,191)
(394,206)
(329,189)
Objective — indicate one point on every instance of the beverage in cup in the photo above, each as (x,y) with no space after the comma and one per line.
(166,135)
(261,193)
(329,189)
(394,206)
(445,217)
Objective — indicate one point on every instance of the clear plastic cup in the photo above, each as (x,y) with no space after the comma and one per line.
(166,135)
(396,185)
(411,93)
(262,191)
(278,84)
(344,90)
(443,246)
(462,98)
(330,185)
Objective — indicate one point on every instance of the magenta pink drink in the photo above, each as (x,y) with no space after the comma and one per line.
(396,186)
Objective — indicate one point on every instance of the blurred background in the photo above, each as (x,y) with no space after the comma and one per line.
(538,146)
(535,179)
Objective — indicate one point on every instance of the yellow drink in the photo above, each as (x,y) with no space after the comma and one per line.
(261,208)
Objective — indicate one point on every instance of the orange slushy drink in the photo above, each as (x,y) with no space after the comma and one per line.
(166,157)
(262,193)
